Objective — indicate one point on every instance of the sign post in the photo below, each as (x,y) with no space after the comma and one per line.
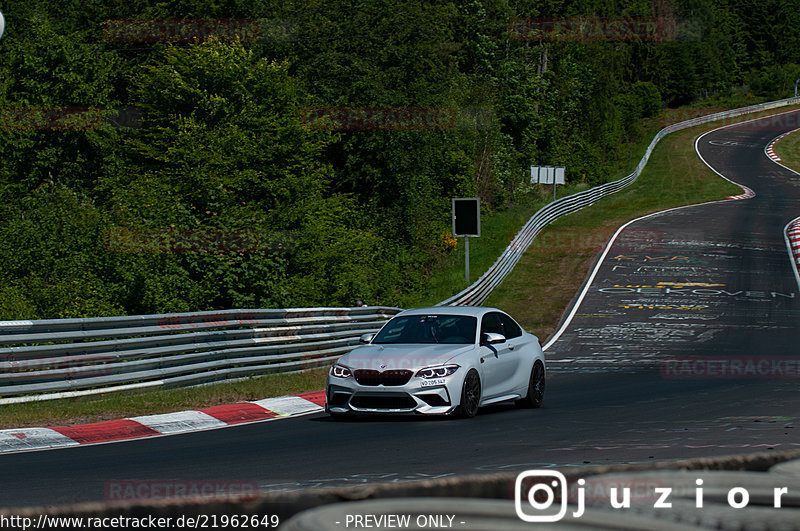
(548,175)
(466,259)
(466,223)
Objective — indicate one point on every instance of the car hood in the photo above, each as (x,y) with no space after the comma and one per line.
(404,356)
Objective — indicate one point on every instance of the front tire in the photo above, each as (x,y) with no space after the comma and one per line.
(470,395)
(536,383)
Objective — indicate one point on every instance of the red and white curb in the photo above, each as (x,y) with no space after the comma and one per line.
(771,152)
(792,233)
(770,149)
(748,193)
(794,239)
(27,439)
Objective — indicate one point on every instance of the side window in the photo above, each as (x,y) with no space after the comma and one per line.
(512,329)
(492,324)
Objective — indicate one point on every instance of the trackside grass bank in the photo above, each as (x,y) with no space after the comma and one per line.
(121,405)
(788,149)
(537,292)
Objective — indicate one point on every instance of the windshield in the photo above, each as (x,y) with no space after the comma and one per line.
(451,329)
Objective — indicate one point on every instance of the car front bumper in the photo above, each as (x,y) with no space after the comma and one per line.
(347,396)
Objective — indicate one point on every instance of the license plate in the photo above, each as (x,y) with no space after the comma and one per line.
(431,383)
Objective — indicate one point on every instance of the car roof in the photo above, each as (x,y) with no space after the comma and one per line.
(474,311)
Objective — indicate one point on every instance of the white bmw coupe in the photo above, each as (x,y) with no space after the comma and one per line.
(439,361)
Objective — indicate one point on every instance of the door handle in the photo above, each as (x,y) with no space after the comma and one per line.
(510,346)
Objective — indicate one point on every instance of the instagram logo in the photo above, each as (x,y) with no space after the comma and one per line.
(548,494)
(541,489)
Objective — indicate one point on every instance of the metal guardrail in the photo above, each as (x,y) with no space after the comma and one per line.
(479,291)
(67,357)
(56,358)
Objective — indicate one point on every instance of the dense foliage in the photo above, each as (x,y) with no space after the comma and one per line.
(142,176)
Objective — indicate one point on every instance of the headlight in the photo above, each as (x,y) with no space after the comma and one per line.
(437,372)
(340,371)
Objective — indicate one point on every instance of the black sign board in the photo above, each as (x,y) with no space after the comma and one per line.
(467,216)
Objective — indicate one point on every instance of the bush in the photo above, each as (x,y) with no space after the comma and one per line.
(649,99)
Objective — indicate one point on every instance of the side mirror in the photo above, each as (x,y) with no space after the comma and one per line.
(366,338)
(490,338)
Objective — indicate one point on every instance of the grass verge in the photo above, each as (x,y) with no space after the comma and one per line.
(121,405)
(788,149)
(537,292)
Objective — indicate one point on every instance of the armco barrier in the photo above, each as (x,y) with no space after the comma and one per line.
(64,357)
(479,291)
